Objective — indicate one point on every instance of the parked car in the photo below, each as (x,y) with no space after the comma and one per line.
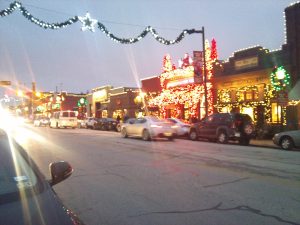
(63,119)
(222,127)
(90,122)
(106,124)
(182,128)
(287,140)
(147,128)
(41,121)
(26,197)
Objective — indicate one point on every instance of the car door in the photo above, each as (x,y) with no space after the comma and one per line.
(140,125)
(130,126)
(205,127)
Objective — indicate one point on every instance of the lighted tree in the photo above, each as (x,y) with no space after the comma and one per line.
(167,63)
(214,53)
(209,74)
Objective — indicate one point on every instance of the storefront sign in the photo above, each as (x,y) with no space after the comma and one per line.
(100,96)
(178,77)
(246,63)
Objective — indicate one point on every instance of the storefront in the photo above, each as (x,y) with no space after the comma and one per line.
(182,91)
(125,102)
(100,101)
(256,82)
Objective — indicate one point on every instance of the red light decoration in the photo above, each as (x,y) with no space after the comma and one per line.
(190,94)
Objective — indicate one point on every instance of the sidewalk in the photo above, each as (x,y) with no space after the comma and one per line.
(263,143)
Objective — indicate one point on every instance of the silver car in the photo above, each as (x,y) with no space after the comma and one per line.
(147,128)
(287,140)
(182,128)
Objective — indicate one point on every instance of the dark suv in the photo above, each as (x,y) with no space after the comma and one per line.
(222,127)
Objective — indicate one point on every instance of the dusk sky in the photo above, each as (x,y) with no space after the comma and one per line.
(76,61)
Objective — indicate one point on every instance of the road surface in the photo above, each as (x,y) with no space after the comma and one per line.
(130,181)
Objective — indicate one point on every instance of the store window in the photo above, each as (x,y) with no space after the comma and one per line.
(249,111)
(276,113)
(225,109)
(248,95)
(104,114)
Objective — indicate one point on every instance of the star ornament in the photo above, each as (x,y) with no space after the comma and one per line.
(87,22)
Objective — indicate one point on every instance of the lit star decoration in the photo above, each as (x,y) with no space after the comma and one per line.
(87,22)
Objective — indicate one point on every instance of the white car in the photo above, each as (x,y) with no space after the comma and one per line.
(147,128)
(41,121)
(182,128)
(90,122)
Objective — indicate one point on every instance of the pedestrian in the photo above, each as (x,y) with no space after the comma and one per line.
(126,117)
(118,118)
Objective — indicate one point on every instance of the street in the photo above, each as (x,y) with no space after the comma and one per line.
(130,181)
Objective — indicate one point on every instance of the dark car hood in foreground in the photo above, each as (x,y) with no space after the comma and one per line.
(38,209)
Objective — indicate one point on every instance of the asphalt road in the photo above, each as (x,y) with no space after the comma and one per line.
(129,181)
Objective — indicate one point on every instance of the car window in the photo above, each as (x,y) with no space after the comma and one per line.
(15,173)
(72,114)
(209,119)
(171,120)
(154,119)
(130,121)
(141,120)
(64,114)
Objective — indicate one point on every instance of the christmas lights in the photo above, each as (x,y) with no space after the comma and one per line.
(89,24)
(280,79)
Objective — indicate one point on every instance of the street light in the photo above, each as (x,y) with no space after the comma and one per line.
(205,72)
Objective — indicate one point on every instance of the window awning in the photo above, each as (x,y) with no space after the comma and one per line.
(294,94)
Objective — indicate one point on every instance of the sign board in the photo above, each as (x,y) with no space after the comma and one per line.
(282,97)
(178,77)
(5,83)
(198,62)
(246,63)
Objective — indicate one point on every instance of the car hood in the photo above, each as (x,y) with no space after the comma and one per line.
(43,208)
(290,133)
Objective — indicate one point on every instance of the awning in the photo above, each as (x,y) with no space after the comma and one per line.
(294,94)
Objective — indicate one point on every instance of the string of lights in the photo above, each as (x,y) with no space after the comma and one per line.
(89,24)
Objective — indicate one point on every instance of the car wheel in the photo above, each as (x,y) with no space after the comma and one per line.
(124,133)
(146,135)
(248,129)
(286,143)
(193,135)
(119,128)
(244,141)
(222,137)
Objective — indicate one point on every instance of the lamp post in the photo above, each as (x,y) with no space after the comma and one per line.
(204,70)
(280,75)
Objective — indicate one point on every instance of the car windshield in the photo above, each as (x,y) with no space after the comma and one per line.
(15,173)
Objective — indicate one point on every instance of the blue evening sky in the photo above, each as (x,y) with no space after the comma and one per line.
(77,61)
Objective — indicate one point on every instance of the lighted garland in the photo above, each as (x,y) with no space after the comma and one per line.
(89,24)
(280,84)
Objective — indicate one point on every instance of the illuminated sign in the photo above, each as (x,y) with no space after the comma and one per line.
(100,96)
(178,77)
(246,63)
(5,83)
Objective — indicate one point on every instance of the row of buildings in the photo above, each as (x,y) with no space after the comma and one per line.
(264,84)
